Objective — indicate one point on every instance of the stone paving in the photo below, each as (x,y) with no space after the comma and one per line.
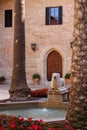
(4,94)
(4,91)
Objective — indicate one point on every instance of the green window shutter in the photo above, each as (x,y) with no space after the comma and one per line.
(60,15)
(47,16)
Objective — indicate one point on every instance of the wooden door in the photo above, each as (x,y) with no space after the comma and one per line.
(54,64)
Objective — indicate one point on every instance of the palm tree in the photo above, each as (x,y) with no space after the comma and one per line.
(77,109)
(18,88)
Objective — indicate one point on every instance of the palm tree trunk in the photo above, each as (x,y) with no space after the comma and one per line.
(18,88)
(77,109)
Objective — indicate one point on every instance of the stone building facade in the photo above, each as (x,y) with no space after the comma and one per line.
(49,39)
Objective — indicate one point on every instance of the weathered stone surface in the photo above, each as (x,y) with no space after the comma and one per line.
(55,96)
(47,38)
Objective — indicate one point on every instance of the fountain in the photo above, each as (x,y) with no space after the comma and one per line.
(58,94)
(52,108)
(37,113)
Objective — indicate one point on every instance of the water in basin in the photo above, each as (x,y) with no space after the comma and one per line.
(37,113)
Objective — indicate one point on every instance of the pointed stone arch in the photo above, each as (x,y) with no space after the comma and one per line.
(43,61)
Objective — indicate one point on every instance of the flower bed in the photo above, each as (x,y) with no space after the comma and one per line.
(39,92)
(19,123)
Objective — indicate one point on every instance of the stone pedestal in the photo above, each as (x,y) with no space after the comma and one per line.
(55,96)
(57,99)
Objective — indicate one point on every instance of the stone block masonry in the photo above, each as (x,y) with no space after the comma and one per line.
(47,38)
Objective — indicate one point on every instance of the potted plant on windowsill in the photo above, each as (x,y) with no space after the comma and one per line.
(68,78)
(2,79)
(36,78)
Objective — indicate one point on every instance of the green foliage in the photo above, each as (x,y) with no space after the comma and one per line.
(67,76)
(19,123)
(36,76)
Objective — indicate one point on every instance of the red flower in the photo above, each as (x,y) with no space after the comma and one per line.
(71,128)
(13,125)
(39,92)
(65,125)
(41,121)
(35,127)
(22,119)
(1,128)
(41,128)
(28,128)
(29,119)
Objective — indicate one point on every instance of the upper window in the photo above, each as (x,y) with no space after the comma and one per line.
(54,15)
(8,18)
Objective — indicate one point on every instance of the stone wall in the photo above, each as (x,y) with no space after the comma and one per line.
(6,41)
(47,38)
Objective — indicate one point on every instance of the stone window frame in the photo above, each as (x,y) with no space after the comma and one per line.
(54,15)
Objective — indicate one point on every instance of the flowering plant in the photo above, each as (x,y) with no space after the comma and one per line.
(39,92)
(19,123)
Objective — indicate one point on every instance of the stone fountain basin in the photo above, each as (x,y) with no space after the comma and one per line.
(37,109)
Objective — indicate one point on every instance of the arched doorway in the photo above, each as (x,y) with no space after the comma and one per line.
(54,64)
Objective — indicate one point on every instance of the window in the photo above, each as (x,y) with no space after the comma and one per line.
(54,15)
(8,18)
